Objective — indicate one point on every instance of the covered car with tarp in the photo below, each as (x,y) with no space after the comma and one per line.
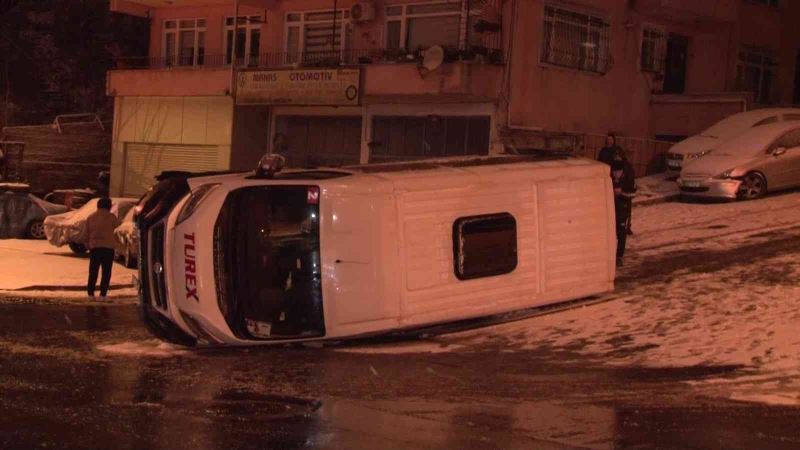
(70,228)
(22,213)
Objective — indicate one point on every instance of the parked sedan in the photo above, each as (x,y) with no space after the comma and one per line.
(70,228)
(762,160)
(126,241)
(22,213)
(726,129)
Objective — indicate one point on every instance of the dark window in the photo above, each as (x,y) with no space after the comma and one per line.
(788,140)
(267,262)
(767,121)
(484,246)
(409,138)
(653,49)
(754,72)
(773,3)
(575,40)
(675,64)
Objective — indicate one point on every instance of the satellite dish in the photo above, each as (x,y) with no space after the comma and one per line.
(432,58)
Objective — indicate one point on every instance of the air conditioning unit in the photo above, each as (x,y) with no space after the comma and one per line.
(362,12)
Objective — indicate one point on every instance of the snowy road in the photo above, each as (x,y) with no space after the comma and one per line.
(698,350)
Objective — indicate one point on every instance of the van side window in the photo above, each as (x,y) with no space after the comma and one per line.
(484,245)
(768,120)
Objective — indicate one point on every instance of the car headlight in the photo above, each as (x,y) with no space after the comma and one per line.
(698,154)
(724,175)
(194,201)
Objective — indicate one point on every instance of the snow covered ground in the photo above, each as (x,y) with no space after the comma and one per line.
(56,271)
(702,284)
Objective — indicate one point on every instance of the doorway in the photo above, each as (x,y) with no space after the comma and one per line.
(675,67)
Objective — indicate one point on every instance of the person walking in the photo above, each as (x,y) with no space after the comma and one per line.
(100,227)
(624,181)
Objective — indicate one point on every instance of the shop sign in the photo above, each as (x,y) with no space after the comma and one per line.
(310,87)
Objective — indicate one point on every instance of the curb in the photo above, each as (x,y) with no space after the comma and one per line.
(656,201)
(66,288)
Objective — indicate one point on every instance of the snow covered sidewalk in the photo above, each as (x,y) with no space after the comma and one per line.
(37,268)
(656,188)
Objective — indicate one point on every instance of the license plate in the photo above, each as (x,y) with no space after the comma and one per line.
(691,183)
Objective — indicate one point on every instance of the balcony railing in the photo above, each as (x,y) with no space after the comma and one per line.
(478,54)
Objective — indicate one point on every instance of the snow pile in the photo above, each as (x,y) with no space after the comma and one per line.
(149,348)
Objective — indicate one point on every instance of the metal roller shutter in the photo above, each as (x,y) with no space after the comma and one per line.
(144,161)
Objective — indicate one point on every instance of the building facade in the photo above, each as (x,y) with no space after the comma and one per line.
(331,82)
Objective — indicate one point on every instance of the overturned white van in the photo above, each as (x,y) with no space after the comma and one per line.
(335,253)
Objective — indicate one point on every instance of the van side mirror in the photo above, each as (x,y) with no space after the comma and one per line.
(779,151)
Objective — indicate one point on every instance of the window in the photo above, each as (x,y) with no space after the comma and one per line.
(787,141)
(773,3)
(248,40)
(653,49)
(484,246)
(407,138)
(575,40)
(414,27)
(311,37)
(755,71)
(766,121)
(184,42)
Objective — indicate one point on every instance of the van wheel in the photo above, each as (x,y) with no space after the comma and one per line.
(77,248)
(753,186)
(35,230)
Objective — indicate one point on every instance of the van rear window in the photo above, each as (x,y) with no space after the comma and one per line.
(484,245)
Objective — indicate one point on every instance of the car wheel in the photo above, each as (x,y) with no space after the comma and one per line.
(753,186)
(35,230)
(77,248)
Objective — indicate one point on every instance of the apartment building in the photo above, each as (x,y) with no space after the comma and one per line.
(330,82)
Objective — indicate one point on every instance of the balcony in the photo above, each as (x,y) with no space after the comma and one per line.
(474,74)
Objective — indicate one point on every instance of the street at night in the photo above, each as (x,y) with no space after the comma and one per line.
(696,348)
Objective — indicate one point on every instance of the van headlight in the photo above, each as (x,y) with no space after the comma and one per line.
(194,201)
(724,175)
(698,154)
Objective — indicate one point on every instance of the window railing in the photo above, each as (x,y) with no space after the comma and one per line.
(333,58)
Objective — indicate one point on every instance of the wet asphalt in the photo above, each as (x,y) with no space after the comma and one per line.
(60,390)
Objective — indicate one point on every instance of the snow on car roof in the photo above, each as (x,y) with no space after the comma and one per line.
(756,139)
(736,123)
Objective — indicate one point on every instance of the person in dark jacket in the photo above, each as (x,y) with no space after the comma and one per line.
(100,241)
(624,181)
(607,153)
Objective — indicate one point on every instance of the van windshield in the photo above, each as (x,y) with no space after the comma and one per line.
(267,262)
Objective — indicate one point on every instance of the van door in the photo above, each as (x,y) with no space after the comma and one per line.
(360,245)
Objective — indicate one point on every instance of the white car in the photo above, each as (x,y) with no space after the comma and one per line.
(336,253)
(69,228)
(764,159)
(726,129)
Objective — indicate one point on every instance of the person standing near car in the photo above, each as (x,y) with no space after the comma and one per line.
(100,241)
(624,181)
(607,153)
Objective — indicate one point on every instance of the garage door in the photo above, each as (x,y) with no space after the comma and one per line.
(144,161)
